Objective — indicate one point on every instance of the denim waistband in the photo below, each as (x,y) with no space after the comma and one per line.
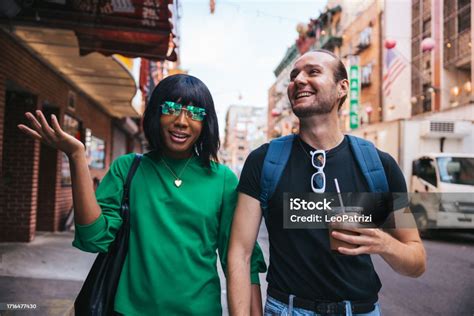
(322,307)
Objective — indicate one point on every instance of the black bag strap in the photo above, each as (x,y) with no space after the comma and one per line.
(97,295)
(131,173)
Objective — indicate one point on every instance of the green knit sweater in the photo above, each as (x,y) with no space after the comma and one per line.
(171,267)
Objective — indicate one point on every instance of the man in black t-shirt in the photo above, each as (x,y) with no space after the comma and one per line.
(304,275)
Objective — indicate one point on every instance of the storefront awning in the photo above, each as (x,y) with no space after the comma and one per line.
(104,79)
(132,28)
(80,37)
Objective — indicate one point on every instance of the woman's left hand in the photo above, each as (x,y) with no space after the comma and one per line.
(370,241)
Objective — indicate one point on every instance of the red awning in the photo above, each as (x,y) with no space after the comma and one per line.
(129,44)
(133,28)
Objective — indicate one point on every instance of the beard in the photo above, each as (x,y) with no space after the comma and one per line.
(319,107)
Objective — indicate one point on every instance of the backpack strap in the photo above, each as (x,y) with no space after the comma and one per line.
(277,156)
(370,164)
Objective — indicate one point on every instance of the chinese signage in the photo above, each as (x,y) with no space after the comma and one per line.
(354,81)
(133,28)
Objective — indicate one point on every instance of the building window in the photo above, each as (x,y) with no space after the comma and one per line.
(73,127)
(241,126)
(426,27)
(71,101)
(427,64)
(366,75)
(338,26)
(463,3)
(426,97)
(464,19)
(95,151)
(65,171)
(365,38)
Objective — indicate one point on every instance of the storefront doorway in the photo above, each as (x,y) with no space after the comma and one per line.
(18,199)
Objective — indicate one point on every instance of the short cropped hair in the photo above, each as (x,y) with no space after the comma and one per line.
(339,73)
(188,90)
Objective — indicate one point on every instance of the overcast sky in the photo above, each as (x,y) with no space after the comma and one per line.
(235,50)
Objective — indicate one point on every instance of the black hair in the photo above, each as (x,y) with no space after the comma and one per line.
(339,71)
(188,90)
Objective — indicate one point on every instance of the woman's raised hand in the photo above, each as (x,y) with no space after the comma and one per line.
(53,135)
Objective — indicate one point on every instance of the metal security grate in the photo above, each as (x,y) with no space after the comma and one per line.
(442,127)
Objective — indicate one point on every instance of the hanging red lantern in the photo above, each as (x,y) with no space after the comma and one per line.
(276,112)
(427,44)
(390,43)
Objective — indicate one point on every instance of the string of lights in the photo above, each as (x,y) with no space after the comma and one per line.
(262,14)
(258,13)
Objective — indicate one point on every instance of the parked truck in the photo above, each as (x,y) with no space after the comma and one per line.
(437,160)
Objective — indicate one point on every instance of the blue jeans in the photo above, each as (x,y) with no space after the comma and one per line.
(274,307)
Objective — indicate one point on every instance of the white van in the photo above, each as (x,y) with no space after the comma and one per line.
(451,177)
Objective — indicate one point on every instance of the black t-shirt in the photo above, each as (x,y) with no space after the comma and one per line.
(301,262)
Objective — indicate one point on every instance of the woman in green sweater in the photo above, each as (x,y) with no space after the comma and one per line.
(181,205)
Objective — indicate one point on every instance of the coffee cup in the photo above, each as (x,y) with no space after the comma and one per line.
(340,220)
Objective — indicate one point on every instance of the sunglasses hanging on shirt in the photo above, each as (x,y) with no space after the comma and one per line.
(318,180)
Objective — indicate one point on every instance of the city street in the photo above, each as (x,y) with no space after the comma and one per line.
(314,96)
(446,287)
(49,272)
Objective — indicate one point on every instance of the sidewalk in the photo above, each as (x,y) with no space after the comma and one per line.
(47,272)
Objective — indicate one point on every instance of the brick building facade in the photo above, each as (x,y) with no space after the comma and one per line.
(34,193)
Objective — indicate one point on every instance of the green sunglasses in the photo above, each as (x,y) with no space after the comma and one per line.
(193,112)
